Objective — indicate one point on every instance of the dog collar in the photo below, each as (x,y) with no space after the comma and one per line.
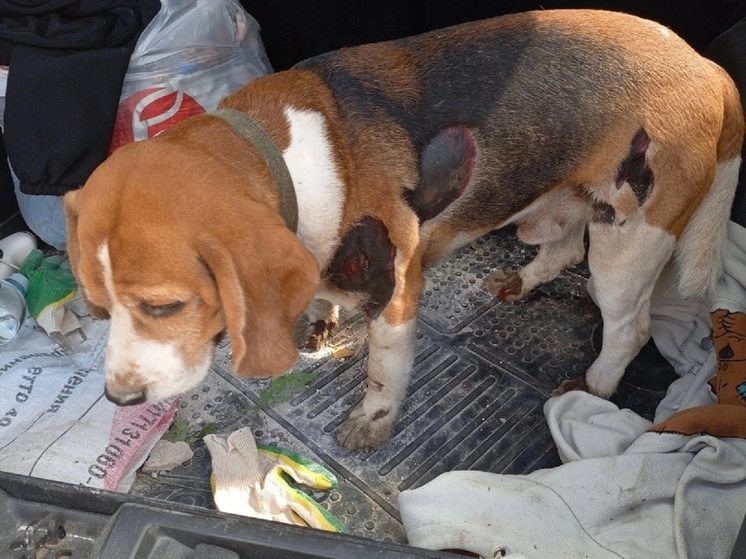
(250,129)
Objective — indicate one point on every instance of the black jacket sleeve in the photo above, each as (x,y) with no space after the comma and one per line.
(67,63)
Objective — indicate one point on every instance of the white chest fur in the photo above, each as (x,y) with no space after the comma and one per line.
(317,181)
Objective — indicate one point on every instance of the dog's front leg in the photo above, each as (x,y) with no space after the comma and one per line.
(324,319)
(391,355)
(391,339)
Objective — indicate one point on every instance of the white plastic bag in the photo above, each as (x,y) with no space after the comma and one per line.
(191,55)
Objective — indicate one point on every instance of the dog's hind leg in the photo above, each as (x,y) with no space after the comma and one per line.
(625,263)
(552,259)
(559,228)
(683,205)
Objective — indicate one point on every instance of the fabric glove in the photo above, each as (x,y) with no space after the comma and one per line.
(255,481)
(51,285)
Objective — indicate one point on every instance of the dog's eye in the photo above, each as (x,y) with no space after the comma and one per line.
(162,310)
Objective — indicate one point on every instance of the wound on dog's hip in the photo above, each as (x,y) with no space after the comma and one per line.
(446,168)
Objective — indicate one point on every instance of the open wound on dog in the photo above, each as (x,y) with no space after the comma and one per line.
(632,186)
(446,168)
(364,263)
(634,169)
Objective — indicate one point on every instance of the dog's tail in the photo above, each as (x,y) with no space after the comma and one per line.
(699,250)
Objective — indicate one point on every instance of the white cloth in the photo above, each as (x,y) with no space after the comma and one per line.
(622,491)
(681,328)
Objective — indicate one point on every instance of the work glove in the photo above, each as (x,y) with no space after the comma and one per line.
(256,481)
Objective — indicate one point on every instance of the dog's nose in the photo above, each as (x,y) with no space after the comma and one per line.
(126,399)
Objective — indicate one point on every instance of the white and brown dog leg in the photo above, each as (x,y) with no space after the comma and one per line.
(639,219)
(559,229)
(390,360)
(626,255)
(324,319)
(391,339)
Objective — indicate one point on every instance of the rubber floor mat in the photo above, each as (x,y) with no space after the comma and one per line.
(482,374)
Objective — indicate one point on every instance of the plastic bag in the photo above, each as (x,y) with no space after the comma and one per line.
(188,58)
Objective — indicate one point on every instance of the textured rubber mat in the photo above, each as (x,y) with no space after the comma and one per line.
(483,372)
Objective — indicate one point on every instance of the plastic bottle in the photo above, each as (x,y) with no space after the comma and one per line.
(13,250)
(12,306)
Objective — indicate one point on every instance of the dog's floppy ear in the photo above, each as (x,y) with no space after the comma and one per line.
(266,278)
(70,203)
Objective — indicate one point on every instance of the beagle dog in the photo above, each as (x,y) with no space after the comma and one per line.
(344,177)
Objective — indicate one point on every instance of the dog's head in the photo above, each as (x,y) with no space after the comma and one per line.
(170,243)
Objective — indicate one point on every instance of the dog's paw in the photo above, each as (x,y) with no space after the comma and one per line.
(364,431)
(570,385)
(321,333)
(505,285)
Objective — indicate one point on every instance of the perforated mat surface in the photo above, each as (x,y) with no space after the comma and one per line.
(483,372)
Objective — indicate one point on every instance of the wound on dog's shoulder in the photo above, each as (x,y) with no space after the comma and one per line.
(446,168)
(364,263)
(634,169)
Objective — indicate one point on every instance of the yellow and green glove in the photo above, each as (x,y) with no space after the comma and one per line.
(254,481)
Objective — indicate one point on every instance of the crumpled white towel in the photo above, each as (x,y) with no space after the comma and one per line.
(662,497)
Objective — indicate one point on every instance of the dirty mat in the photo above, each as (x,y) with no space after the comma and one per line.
(482,374)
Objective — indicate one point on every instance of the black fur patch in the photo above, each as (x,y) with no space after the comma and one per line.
(634,169)
(364,263)
(604,213)
(445,169)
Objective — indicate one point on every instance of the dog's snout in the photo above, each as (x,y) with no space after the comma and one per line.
(132,398)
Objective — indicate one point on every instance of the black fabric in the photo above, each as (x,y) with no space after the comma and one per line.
(729,51)
(8,202)
(67,63)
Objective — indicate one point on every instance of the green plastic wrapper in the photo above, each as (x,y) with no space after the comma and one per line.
(51,284)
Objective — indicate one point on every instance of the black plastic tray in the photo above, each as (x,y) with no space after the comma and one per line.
(42,519)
